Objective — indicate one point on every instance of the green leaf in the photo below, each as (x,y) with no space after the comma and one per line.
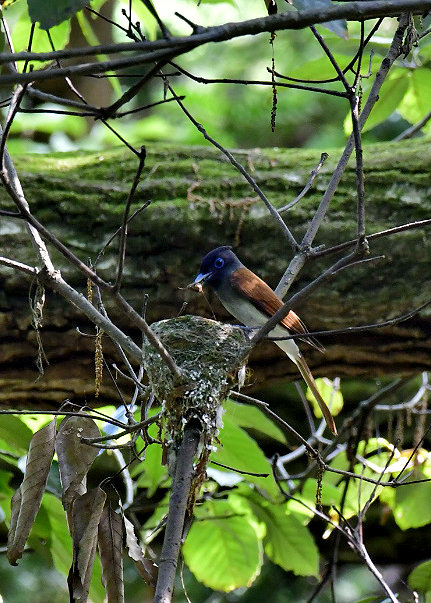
(49,123)
(97,590)
(320,69)
(21,32)
(223,551)
(49,14)
(16,433)
(391,95)
(93,40)
(240,451)
(420,578)
(416,103)
(153,473)
(330,393)
(151,527)
(60,541)
(251,417)
(359,491)
(331,495)
(219,2)
(412,503)
(287,541)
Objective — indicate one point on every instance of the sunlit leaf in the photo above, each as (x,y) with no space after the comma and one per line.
(330,393)
(28,497)
(420,578)
(152,472)
(50,123)
(331,495)
(15,432)
(287,541)
(240,451)
(155,522)
(92,39)
(59,541)
(391,95)
(320,69)
(224,551)
(219,2)
(60,35)
(97,590)
(36,422)
(412,502)
(245,415)
(359,491)
(417,101)
(49,14)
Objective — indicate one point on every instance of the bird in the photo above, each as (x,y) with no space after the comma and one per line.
(251,301)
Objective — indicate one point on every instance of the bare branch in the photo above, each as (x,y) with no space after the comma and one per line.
(165,48)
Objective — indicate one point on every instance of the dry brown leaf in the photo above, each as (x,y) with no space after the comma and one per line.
(74,457)
(28,498)
(111,553)
(148,569)
(86,512)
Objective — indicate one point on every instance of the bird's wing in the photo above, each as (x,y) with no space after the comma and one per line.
(263,297)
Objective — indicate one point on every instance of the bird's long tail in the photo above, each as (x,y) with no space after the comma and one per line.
(309,380)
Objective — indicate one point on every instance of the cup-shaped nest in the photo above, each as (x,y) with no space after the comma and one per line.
(208,354)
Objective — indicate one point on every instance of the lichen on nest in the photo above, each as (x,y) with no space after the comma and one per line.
(207,353)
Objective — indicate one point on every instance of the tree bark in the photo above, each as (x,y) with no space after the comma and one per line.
(198,201)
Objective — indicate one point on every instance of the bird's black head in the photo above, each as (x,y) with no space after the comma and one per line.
(216,265)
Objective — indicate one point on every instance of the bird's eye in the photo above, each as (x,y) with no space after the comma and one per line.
(219,263)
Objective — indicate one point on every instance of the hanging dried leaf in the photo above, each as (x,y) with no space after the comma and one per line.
(148,568)
(86,512)
(111,553)
(74,457)
(27,500)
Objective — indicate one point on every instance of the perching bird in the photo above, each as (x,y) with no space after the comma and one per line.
(251,301)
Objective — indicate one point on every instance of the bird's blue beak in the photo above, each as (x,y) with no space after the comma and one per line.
(201,278)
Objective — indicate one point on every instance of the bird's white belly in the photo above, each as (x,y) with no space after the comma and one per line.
(250,316)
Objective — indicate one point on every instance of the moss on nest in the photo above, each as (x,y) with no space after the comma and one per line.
(207,353)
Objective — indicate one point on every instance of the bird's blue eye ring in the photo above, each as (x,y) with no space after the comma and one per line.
(219,263)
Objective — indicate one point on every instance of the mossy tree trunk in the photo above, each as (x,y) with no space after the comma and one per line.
(198,201)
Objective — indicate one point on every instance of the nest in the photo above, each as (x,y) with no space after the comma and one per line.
(207,353)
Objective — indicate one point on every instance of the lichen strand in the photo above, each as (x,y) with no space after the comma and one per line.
(207,353)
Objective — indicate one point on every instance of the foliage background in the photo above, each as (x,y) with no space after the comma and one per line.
(237,116)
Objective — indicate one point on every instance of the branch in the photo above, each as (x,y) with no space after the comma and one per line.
(272,210)
(162,49)
(299,260)
(177,511)
(123,232)
(410,132)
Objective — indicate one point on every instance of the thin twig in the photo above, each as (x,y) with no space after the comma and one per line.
(272,210)
(323,158)
(377,235)
(123,232)
(410,132)
(299,260)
